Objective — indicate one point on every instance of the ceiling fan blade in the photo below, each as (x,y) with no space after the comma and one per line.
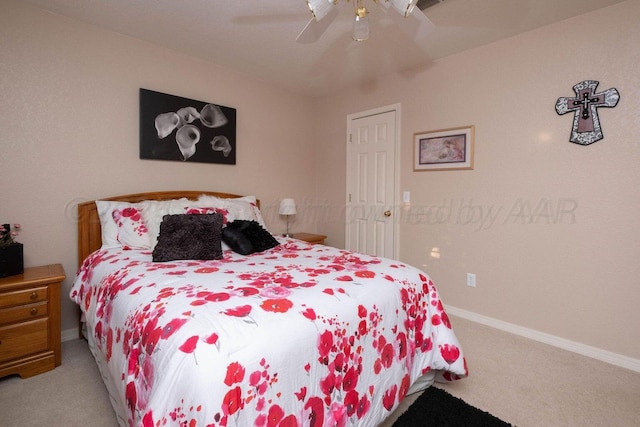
(417,26)
(315,29)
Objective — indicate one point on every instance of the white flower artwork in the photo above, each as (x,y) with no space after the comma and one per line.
(176,128)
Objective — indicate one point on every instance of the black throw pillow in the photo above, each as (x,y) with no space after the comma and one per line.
(237,241)
(247,237)
(187,236)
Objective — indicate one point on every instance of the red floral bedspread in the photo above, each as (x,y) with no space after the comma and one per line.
(300,335)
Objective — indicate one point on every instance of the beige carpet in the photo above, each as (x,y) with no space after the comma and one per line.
(520,381)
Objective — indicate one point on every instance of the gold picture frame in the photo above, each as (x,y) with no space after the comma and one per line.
(444,149)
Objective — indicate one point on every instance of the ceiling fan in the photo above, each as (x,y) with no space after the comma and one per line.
(324,12)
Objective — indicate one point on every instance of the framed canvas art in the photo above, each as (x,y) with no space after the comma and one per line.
(182,129)
(445,149)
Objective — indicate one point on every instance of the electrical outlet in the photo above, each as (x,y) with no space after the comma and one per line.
(471,280)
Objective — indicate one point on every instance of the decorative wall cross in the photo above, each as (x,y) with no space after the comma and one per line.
(586,123)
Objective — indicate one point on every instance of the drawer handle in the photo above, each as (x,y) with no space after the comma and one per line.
(34,311)
(33,295)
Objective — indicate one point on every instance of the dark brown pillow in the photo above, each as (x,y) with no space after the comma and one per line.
(185,236)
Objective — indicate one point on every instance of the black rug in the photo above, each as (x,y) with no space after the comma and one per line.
(437,408)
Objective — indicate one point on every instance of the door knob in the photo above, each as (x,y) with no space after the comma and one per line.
(387,213)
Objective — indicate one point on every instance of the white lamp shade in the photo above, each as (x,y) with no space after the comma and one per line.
(320,8)
(404,7)
(287,207)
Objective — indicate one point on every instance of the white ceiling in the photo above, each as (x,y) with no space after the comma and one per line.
(257,37)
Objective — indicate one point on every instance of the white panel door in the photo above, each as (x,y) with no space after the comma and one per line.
(371,184)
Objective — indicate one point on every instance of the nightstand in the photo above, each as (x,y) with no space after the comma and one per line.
(30,321)
(310,238)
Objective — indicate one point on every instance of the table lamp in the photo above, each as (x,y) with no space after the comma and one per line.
(287,208)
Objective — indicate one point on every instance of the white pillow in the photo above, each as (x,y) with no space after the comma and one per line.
(109,228)
(153,210)
(132,230)
(245,208)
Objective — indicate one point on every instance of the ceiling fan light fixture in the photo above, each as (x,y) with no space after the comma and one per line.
(404,7)
(320,8)
(360,29)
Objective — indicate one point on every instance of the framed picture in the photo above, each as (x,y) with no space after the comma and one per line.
(183,129)
(445,149)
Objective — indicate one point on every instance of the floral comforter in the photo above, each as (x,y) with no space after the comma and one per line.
(299,335)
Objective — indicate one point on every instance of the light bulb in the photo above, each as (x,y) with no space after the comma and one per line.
(360,30)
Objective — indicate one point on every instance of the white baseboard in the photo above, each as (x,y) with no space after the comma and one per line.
(69,334)
(585,350)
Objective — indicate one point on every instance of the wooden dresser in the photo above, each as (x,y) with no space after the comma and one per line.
(30,321)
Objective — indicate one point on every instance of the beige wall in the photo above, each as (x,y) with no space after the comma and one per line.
(69,130)
(560,254)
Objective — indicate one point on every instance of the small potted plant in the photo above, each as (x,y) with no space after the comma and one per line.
(11,256)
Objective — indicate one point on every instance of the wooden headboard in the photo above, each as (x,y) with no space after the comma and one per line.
(89,232)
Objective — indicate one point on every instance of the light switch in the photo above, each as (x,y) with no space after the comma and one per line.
(406,197)
(471,280)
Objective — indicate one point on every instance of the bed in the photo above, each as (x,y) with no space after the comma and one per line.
(294,335)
